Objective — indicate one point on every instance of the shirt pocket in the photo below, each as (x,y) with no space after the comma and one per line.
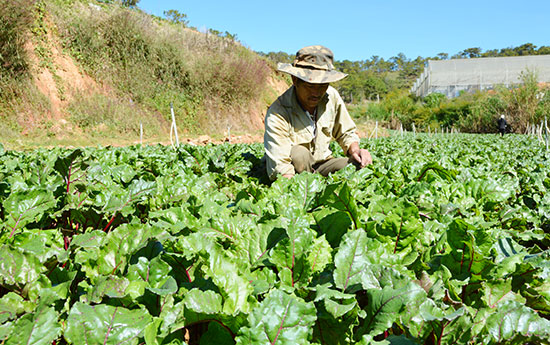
(327,132)
(302,136)
(322,142)
(325,128)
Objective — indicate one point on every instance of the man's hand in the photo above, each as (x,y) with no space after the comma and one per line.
(359,155)
(289,176)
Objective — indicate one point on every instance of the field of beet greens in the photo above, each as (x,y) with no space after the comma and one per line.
(443,240)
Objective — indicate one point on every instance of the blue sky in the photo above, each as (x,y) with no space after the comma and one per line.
(358,30)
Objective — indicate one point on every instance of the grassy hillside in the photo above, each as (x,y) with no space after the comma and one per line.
(83,72)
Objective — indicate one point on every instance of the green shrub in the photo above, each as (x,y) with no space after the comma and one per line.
(484,110)
(374,86)
(523,102)
(401,105)
(376,111)
(16,18)
(434,100)
(159,63)
(543,108)
(358,110)
(107,116)
(234,75)
(449,113)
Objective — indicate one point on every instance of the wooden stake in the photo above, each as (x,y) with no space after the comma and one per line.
(174,125)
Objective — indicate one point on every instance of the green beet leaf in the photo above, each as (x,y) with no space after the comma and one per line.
(336,303)
(333,224)
(280,319)
(204,302)
(335,331)
(339,196)
(470,249)
(174,219)
(444,324)
(259,239)
(226,273)
(104,324)
(391,340)
(305,188)
(291,254)
(385,306)
(110,286)
(120,244)
(92,239)
(401,225)
(541,262)
(22,208)
(123,173)
(172,315)
(351,260)
(216,335)
(155,274)
(515,323)
(454,331)
(500,291)
(379,276)
(64,164)
(443,173)
(262,280)
(123,200)
(319,255)
(44,244)
(61,280)
(170,320)
(5,330)
(13,305)
(40,328)
(18,268)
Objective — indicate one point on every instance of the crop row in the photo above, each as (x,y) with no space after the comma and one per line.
(443,240)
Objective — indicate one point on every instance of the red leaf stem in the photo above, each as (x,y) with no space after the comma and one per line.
(441,334)
(69,177)
(462,259)
(110,327)
(398,236)
(281,326)
(109,224)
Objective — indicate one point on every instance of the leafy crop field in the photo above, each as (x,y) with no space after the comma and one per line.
(443,240)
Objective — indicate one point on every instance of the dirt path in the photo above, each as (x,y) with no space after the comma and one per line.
(233,139)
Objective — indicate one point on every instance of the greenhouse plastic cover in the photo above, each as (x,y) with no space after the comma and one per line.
(452,76)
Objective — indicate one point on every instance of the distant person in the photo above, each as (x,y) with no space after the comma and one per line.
(502,125)
(301,123)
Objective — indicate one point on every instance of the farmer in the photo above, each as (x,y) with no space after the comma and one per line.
(502,124)
(301,123)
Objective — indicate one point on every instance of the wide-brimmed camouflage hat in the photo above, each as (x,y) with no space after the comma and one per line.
(313,64)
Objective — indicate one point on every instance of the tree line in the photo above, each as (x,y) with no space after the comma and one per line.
(376,77)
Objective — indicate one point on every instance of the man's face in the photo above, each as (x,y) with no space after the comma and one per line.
(309,95)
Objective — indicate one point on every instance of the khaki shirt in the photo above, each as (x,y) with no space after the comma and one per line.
(287,124)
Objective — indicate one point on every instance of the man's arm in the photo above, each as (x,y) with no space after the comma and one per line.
(277,146)
(344,130)
(346,135)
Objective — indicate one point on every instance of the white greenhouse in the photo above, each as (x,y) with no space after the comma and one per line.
(450,77)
